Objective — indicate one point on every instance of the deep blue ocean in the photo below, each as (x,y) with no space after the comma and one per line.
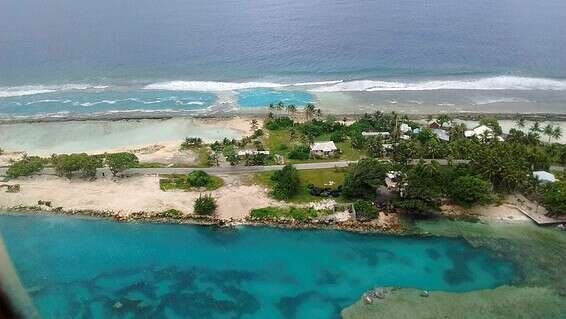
(88,268)
(447,55)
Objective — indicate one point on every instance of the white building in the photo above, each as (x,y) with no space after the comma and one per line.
(442,134)
(324,148)
(483,131)
(252,152)
(404,128)
(544,177)
(378,134)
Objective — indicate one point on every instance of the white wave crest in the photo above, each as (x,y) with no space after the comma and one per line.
(209,86)
(16,91)
(492,83)
(317,83)
(501,100)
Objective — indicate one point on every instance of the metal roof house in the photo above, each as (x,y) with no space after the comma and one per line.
(324,148)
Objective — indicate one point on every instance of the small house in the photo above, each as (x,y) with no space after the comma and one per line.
(434,125)
(324,149)
(442,134)
(483,131)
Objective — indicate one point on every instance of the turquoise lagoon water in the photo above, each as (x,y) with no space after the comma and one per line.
(82,136)
(263,97)
(81,268)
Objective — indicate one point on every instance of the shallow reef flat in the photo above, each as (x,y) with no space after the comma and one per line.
(537,252)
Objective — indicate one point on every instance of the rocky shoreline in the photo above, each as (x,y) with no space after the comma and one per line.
(159,218)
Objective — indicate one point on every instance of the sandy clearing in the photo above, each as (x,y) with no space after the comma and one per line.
(134,194)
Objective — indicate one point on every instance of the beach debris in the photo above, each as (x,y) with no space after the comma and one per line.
(11,188)
(425,293)
(376,293)
(44,203)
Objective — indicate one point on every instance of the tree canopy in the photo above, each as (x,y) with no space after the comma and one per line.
(286,182)
(364,177)
(119,162)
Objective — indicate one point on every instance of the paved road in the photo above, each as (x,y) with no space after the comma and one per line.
(210,170)
(228,170)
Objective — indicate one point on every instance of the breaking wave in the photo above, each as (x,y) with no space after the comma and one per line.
(492,83)
(16,91)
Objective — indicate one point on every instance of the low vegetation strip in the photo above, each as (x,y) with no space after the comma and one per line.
(197,180)
(296,213)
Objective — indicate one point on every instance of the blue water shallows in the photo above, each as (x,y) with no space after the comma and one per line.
(91,100)
(262,97)
(101,269)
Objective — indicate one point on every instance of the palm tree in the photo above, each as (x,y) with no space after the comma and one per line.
(548,131)
(271,107)
(557,132)
(535,127)
(318,113)
(280,106)
(520,123)
(292,134)
(310,109)
(291,109)
(254,125)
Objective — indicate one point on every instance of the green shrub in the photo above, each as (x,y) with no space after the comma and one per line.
(300,152)
(198,179)
(25,167)
(300,214)
(365,209)
(171,213)
(119,162)
(554,197)
(337,136)
(205,205)
(279,123)
(286,182)
(469,190)
(70,164)
(191,142)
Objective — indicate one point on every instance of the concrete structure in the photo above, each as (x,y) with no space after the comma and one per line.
(324,148)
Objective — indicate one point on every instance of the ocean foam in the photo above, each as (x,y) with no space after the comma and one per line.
(492,83)
(16,91)
(209,86)
(501,100)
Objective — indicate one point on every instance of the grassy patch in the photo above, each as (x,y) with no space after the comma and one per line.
(278,142)
(328,177)
(202,156)
(170,213)
(178,181)
(295,213)
(150,165)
